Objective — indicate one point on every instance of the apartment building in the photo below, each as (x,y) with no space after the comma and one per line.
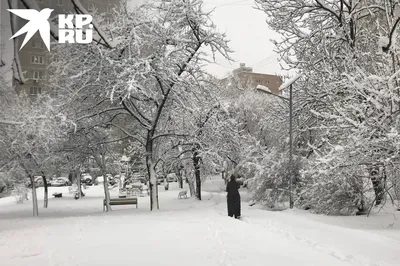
(244,77)
(34,56)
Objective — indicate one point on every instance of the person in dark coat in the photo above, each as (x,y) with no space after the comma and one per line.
(233,198)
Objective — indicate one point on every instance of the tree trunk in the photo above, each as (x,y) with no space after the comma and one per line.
(46,192)
(153,184)
(100,160)
(78,183)
(151,172)
(377,184)
(191,186)
(180,179)
(106,191)
(34,197)
(196,164)
(71,176)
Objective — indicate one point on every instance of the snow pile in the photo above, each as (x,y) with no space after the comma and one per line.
(182,231)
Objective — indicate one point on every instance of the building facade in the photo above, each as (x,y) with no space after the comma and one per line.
(34,56)
(244,77)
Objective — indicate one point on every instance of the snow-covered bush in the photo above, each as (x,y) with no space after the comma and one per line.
(267,176)
(5,183)
(346,103)
(393,182)
(333,192)
(20,193)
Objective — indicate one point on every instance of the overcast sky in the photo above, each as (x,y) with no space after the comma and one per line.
(248,33)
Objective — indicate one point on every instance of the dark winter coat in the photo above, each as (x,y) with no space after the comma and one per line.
(233,191)
(233,198)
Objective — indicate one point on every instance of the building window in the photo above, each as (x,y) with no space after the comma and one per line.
(109,9)
(35,90)
(37,75)
(59,2)
(38,60)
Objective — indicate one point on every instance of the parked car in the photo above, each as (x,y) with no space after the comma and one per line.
(60,182)
(111,180)
(160,180)
(172,177)
(39,181)
(87,179)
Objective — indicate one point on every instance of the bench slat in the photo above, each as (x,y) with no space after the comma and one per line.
(122,201)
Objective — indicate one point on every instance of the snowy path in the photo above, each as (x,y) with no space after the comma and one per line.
(343,246)
(184,232)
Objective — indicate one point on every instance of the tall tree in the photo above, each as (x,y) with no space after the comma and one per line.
(347,53)
(149,69)
(30,136)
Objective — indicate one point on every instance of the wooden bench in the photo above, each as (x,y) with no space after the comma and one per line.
(182,194)
(124,201)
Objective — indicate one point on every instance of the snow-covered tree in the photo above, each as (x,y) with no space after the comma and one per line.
(347,53)
(158,48)
(31,132)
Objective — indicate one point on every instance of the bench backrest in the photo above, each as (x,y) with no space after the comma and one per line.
(122,201)
(183,192)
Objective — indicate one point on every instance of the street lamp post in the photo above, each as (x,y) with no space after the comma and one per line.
(291,146)
(289,85)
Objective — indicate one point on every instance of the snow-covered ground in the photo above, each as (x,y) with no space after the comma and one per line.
(188,232)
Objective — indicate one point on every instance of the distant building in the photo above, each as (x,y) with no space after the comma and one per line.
(34,57)
(244,77)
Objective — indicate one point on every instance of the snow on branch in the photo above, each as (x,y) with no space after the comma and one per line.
(10,123)
(289,82)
